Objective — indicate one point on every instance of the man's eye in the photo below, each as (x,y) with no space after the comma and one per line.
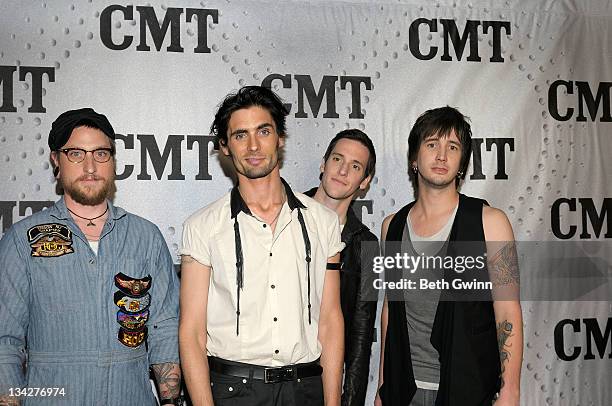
(75,153)
(239,136)
(335,158)
(264,131)
(357,167)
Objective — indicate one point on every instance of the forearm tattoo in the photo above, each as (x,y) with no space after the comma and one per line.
(503,266)
(168,378)
(6,400)
(504,332)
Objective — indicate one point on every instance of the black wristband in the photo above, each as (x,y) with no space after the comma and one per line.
(335,266)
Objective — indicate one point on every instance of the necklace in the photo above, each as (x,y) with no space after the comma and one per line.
(279,211)
(277,214)
(91,223)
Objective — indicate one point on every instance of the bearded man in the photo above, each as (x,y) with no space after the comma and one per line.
(88,292)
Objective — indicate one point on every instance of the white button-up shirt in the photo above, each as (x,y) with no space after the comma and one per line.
(273,322)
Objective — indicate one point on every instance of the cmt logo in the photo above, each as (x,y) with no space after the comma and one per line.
(150,22)
(592,334)
(327,90)
(589,215)
(37,74)
(450,33)
(584,98)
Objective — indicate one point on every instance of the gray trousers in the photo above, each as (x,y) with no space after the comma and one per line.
(424,397)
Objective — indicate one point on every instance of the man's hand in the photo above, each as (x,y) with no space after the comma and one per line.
(331,336)
(507,399)
(502,262)
(195,279)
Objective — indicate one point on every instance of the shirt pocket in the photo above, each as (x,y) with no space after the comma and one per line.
(62,284)
(223,263)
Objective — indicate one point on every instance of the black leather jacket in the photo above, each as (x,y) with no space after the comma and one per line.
(359,314)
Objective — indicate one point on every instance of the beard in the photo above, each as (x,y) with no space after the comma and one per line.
(89,195)
(256,172)
(437,182)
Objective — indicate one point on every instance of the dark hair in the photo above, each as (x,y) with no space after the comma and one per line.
(440,122)
(360,136)
(246,97)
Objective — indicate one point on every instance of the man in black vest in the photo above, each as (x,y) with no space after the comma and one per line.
(346,171)
(452,350)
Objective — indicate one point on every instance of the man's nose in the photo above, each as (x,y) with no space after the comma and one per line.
(89,164)
(253,142)
(343,168)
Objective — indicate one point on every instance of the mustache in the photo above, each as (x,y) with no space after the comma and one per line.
(90,177)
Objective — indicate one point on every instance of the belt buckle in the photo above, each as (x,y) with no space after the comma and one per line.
(289,374)
(269,376)
(275,375)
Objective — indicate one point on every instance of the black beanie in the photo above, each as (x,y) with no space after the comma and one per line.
(62,127)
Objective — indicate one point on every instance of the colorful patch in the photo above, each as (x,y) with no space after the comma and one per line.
(131,304)
(133,321)
(131,286)
(132,339)
(50,240)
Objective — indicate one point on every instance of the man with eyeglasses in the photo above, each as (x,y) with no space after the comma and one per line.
(89,296)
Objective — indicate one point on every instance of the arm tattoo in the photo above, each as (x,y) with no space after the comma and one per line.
(168,378)
(6,400)
(504,331)
(503,266)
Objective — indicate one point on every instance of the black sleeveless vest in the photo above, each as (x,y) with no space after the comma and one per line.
(463,332)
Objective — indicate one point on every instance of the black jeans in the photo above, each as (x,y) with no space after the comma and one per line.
(232,391)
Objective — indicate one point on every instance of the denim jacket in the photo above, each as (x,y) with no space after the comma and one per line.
(85,323)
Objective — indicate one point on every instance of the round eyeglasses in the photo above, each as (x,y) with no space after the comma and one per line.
(77,155)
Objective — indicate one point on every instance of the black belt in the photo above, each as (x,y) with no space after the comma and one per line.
(266,374)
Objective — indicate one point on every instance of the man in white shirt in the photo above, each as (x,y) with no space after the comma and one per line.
(256,294)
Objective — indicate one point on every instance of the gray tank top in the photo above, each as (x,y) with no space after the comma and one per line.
(421,306)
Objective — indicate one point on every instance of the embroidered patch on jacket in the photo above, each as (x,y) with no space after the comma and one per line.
(50,240)
(132,304)
(132,339)
(131,286)
(133,321)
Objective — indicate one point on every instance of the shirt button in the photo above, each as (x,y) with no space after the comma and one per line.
(270,254)
(272,286)
(91,261)
(276,351)
(275,319)
(265,225)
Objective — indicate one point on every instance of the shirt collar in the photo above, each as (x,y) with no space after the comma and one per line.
(60,211)
(238,205)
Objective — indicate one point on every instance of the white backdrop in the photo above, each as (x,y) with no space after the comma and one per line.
(534,76)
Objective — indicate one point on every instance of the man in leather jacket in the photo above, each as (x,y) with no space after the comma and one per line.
(347,168)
